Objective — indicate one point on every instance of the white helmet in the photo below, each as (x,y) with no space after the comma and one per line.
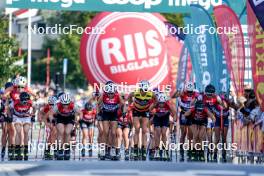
(21,81)
(144,85)
(162,98)
(52,100)
(65,99)
(189,87)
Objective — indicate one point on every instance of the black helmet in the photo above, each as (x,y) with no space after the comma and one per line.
(8,84)
(24,97)
(88,106)
(60,94)
(210,89)
(109,82)
(199,105)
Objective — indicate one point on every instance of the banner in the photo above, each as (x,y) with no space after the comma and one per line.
(223,77)
(172,6)
(256,39)
(202,46)
(182,68)
(133,46)
(258,8)
(233,42)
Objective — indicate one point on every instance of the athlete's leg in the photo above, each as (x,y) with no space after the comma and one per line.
(90,134)
(216,140)
(84,135)
(145,131)
(157,137)
(26,128)
(136,125)
(60,133)
(119,134)
(18,141)
(100,131)
(68,130)
(125,137)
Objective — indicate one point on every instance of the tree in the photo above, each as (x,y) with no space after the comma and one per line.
(67,46)
(8,68)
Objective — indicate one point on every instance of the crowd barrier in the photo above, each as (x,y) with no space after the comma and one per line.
(249,140)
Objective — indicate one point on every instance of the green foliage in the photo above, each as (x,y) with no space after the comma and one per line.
(67,46)
(8,69)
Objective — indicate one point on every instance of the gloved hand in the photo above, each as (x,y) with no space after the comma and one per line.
(33,119)
(8,119)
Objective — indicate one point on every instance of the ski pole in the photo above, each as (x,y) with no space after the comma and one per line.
(36,156)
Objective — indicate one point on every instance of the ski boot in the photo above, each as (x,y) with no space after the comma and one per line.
(60,155)
(3,153)
(83,152)
(151,154)
(181,154)
(117,156)
(224,160)
(201,156)
(11,153)
(18,153)
(136,154)
(26,153)
(90,153)
(157,155)
(215,157)
(143,154)
(126,155)
(67,154)
(108,153)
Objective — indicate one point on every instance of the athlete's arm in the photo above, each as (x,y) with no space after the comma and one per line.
(99,103)
(211,115)
(8,91)
(130,98)
(173,111)
(188,113)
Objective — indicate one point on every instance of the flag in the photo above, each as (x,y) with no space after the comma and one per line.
(182,68)
(233,45)
(258,8)
(256,40)
(202,46)
(21,13)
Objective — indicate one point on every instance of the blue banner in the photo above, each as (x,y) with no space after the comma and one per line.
(223,76)
(182,68)
(258,8)
(201,43)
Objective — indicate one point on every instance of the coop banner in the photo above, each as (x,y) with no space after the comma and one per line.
(115,5)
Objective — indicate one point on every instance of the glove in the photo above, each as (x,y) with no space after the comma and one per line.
(2,118)
(8,119)
(33,119)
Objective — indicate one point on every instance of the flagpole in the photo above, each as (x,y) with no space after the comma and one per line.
(10,32)
(29,50)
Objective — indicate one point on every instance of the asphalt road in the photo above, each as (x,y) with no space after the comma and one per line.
(131,168)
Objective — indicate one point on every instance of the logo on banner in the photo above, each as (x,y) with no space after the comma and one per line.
(131,49)
(204,3)
(257,2)
(64,3)
(11,1)
(147,3)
